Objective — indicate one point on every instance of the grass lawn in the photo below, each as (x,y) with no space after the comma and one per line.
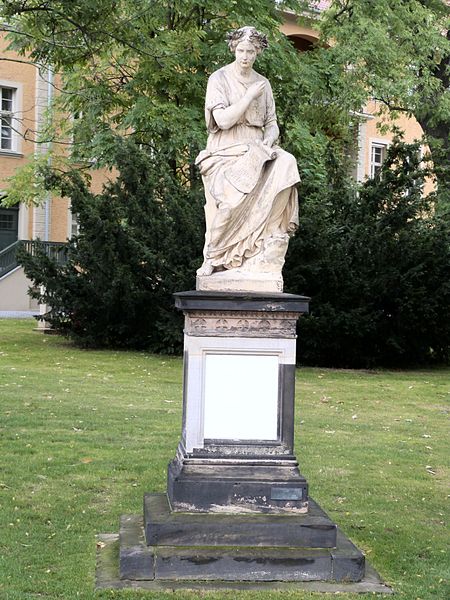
(84,434)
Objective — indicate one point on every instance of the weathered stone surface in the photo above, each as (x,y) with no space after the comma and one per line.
(238,301)
(240,280)
(235,485)
(251,206)
(246,564)
(136,559)
(348,560)
(239,548)
(168,528)
(241,324)
(107,577)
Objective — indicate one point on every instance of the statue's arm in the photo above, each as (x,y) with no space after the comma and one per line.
(229,116)
(271,133)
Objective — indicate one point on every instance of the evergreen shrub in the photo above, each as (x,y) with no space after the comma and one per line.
(139,241)
(376,263)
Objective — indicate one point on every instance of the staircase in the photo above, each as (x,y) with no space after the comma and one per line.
(14,284)
(8,256)
(8,261)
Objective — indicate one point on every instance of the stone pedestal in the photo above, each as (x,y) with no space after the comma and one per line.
(236,450)
(237,507)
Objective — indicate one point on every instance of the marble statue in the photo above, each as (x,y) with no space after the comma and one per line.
(251,205)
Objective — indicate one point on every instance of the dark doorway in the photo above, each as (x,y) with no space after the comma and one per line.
(9,226)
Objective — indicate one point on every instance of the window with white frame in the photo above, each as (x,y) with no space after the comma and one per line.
(74,225)
(377,157)
(7,102)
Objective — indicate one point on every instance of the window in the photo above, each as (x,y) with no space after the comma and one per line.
(7,98)
(6,221)
(74,225)
(378,154)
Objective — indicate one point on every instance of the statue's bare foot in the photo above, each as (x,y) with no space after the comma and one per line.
(206,269)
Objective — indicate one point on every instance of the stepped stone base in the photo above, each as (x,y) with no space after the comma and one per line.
(237,513)
(107,577)
(166,546)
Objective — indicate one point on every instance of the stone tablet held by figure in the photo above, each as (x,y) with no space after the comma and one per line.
(251,204)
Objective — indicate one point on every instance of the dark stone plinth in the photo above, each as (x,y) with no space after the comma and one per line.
(107,577)
(215,547)
(238,301)
(235,484)
(136,558)
(167,528)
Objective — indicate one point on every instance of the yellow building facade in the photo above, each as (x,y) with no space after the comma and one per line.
(26,93)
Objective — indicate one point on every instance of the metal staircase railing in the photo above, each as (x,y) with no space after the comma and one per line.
(57,251)
(8,260)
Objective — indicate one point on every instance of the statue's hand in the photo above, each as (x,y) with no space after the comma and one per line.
(255,90)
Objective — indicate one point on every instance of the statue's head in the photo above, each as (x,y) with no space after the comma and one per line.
(249,35)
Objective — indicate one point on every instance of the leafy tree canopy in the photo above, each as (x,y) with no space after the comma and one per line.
(139,68)
(397,53)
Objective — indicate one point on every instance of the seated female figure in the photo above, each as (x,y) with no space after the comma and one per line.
(250,184)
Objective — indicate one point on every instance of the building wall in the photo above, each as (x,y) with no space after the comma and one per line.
(412,133)
(51,221)
(22,77)
(369,128)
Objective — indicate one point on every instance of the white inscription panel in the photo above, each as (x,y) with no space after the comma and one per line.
(241,397)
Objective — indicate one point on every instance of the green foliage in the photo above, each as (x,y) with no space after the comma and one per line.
(136,67)
(138,71)
(27,184)
(376,262)
(139,242)
(399,54)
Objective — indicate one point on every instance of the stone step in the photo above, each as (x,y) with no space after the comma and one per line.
(167,528)
(140,562)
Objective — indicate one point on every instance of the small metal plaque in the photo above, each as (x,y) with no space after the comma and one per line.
(284,493)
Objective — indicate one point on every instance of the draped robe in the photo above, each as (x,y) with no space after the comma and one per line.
(249,187)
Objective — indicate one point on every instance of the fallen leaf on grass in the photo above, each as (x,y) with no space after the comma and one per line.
(86,460)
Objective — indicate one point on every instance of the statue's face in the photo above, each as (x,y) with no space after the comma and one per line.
(245,54)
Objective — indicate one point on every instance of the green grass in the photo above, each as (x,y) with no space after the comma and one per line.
(85,433)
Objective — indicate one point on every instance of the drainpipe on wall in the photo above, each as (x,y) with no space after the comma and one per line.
(49,145)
